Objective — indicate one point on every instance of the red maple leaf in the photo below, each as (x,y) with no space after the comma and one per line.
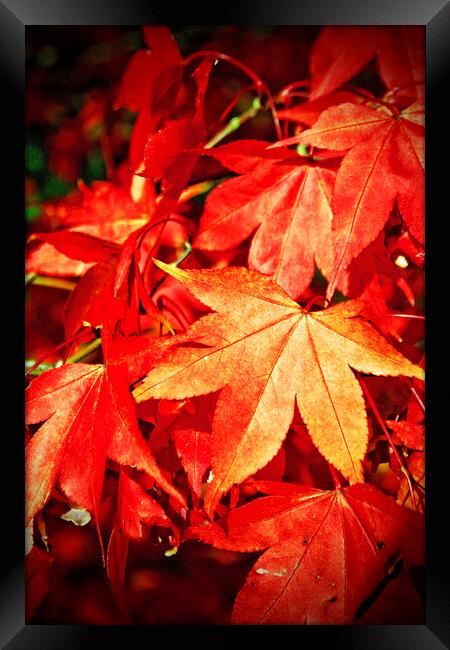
(285,199)
(191,433)
(385,162)
(98,221)
(141,83)
(135,510)
(327,551)
(88,416)
(339,53)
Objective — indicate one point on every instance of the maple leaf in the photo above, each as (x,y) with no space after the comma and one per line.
(416,468)
(79,245)
(265,351)
(139,88)
(188,424)
(287,201)
(191,433)
(372,276)
(93,303)
(385,162)
(88,415)
(355,47)
(170,155)
(401,58)
(133,198)
(327,551)
(105,211)
(411,434)
(372,262)
(72,252)
(93,300)
(91,297)
(400,53)
(308,112)
(135,508)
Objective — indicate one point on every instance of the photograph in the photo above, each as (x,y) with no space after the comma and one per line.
(225,325)
(229,251)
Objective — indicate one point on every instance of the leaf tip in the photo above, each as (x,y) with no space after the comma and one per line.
(159,264)
(171,269)
(211,499)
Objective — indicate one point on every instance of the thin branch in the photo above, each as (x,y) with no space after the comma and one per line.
(259,83)
(84,352)
(55,283)
(235,123)
(412,316)
(74,339)
(392,447)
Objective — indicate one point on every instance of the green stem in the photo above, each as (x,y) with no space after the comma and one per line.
(196,189)
(191,192)
(44,281)
(85,351)
(78,356)
(187,250)
(235,122)
(34,369)
(302,150)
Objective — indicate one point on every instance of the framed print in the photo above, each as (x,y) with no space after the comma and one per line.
(231,244)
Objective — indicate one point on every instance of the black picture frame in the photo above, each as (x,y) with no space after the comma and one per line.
(15,16)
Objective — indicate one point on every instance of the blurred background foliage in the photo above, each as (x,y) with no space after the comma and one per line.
(73,75)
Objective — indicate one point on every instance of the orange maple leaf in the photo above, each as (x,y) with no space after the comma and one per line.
(265,351)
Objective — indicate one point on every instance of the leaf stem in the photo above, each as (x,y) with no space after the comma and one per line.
(415,394)
(189,193)
(40,361)
(235,123)
(302,150)
(317,300)
(233,103)
(414,316)
(84,352)
(396,89)
(187,250)
(392,447)
(335,476)
(260,85)
(44,281)
(175,310)
(286,92)
(196,189)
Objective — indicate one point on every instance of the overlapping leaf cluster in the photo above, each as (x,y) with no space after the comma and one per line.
(219,380)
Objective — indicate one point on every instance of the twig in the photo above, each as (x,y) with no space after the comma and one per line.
(392,447)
